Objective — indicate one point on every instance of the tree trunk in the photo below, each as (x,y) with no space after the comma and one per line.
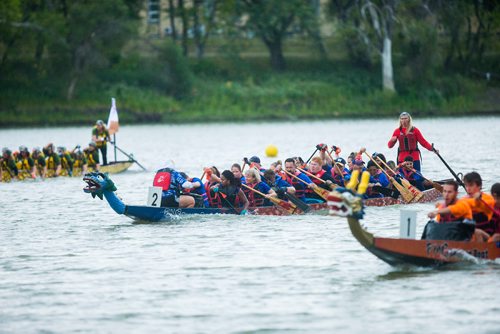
(72,86)
(387,72)
(278,62)
(197,29)
(171,14)
(185,50)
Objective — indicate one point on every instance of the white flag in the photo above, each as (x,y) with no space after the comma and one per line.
(113,118)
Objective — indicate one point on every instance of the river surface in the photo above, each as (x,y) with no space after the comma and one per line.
(69,264)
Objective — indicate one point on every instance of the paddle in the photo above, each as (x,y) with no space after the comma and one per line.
(336,166)
(315,177)
(128,156)
(435,185)
(405,193)
(288,207)
(323,193)
(459,180)
(416,193)
(312,155)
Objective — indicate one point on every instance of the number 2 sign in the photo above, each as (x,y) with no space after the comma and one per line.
(154,196)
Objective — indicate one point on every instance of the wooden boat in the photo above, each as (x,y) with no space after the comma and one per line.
(115,167)
(397,251)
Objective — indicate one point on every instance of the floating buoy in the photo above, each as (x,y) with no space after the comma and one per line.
(271,151)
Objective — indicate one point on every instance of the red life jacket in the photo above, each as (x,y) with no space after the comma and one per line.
(254,199)
(408,174)
(300,188)
(213,198)
(449,217)
(407,142)
(319,175)
(162,179)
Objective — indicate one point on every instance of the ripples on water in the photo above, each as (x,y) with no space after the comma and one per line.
(68,263)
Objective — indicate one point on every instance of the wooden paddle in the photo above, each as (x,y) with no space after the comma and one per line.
(315,177)
(337,168)
(405,193)
(323,193)
(435,185)
(417,193)
(288,207)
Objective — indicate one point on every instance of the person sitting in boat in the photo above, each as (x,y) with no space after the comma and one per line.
(390,168)
(300,187)
(407,171)
(278,184)
(338,171)
(254,181)
(25,164)
(52,160)
(357,164)
(198,190)
(255,162)
(212,176)
(481,204)
(92,156)
(378,184)
(66,161)
(408,137)
(8,166)
(230,194)
(451,209)
(100,136)
(236,169)
(495,221)
(79,161)
(172,183)
(40,164)
(316,168)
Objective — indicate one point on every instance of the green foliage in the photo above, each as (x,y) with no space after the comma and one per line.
(176,70)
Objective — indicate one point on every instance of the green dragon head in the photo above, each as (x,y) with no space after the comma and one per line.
(97,184)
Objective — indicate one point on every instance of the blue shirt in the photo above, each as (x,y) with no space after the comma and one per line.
(176,182)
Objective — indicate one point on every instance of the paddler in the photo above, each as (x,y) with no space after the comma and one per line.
(378,184)
(212,176)
(408,137)
(79,161)
(495,192)
(66,161)
(198,189)
(52,160)
(480,202)
(316,168)
(407,171)
(25,164)
(92,156)
(300,187)
(236,169)
(8,165)
(100,136)
(172,183)
(278,184)
(254,181)
(40,164)
(230,194)
(451,209)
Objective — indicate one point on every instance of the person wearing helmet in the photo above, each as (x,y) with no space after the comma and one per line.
(52,160)
(40,164)
(92,156)
(25,164)
(8,168)
(100,136)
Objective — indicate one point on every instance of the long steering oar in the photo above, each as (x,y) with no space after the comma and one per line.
(405,193)
(130,157)
(288,207)
(323,193)
(459,180)
(416,193)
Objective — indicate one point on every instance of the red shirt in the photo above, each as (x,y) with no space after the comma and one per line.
(415,154)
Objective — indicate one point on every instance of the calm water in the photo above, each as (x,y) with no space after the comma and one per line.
(68,263)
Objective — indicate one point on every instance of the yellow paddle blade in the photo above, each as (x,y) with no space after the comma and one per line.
(353,182)
(365,179)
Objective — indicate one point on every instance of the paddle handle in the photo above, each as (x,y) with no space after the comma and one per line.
(276,201)
(336,165)
(312,155)
(311,175)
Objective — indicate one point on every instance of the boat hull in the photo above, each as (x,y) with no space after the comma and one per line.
(422,252)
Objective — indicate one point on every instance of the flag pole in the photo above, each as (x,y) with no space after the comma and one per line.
(114,141)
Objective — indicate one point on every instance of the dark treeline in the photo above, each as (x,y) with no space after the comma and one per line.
(60,55)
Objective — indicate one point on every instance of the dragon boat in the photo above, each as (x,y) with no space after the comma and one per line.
(397,251)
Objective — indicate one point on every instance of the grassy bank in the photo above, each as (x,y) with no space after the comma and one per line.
(240,90)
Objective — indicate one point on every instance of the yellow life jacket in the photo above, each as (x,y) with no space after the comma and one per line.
(101,135)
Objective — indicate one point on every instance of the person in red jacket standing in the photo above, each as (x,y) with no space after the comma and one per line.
(408,137)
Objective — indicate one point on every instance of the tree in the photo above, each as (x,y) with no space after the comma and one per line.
(204,13)
(271,20)
(380,18)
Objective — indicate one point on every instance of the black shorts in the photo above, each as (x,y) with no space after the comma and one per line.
(169,201)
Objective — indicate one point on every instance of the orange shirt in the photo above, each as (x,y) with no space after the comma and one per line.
(481,208)
(460,210)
